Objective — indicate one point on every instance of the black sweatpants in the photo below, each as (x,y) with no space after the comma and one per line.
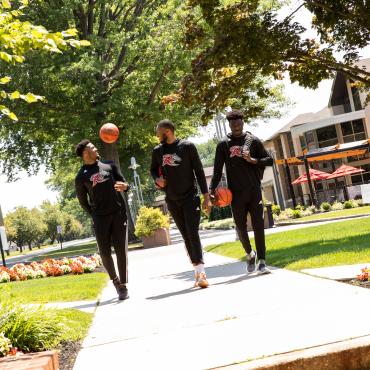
(112,230)
(244,202)
(186,214)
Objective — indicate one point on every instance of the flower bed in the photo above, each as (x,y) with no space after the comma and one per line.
(50,267)
(363,279)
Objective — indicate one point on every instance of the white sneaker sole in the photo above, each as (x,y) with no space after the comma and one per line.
(266,272)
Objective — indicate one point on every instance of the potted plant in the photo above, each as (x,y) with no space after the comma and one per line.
(152,226)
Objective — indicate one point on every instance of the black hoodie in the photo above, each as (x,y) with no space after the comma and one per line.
(179,164)
(240,174)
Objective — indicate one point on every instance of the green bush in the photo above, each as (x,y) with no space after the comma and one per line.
(225,224)
(220,213)
(30,329)
(149,220)
(276,210)
(299,207)
(350,204)
(325,206)
(297,213)
(337,206)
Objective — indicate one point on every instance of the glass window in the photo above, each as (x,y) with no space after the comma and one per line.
(346,128)
(360,136)
(356,179)
(358,126)
(326,133)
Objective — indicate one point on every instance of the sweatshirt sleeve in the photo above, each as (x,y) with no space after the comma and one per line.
(263,157)
(218,166)
(81,193)
(198,169)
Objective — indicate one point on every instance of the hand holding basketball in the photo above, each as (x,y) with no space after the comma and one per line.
(109,133)
(222,197)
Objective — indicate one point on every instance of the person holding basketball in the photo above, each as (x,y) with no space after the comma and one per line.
(98,186)
(175,165)
(245,159)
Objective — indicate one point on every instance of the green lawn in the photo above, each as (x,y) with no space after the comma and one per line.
(56,289)
(339,243)
(77,323)
(332,214)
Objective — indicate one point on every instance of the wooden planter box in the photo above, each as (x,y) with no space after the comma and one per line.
(160,237)
(41,361)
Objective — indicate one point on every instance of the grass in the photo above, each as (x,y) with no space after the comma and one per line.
(77,323)
(332,214)
(26,251)
(339,243)
(57,289)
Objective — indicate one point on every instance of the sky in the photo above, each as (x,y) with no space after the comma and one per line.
(30,191)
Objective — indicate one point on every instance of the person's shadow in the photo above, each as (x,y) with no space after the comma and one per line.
(233,272)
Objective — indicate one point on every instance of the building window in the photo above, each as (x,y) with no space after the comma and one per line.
(310,140)
(353,130)
(327,136)
(363,177)
(290,144)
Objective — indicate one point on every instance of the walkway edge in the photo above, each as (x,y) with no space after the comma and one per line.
(322,220)
(349,354)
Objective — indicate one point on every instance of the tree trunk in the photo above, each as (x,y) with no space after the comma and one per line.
(111,153)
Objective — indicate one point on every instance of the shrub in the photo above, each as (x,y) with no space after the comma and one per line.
(337,206)
(226,224)
(350,204)
(286,214)
(149,220)
(32,329)
(307,212)
(359,202)
(276,209)
(325,206)
(299,207)
(297,213)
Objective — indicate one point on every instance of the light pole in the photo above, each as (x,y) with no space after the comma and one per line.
(137,182)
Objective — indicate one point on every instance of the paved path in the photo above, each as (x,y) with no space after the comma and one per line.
(167,324)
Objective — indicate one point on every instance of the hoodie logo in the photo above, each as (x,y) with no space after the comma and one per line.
(236,151)
(99,177)
(170,160)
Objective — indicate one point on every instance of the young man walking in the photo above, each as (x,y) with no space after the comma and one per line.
(98,186)
(175,165)
(245,159)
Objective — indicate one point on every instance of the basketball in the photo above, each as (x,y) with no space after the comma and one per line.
(223,197)
(109,133)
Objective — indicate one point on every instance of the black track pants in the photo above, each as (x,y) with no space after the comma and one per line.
(186,214)
(244,202)
(112,230)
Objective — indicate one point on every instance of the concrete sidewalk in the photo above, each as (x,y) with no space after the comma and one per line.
(167,324)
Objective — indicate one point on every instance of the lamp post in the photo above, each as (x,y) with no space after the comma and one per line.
(137,182)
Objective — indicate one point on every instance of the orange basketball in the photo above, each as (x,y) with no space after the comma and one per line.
(109,133)
(223,197)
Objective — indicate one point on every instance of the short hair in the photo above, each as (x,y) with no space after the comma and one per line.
(234,114)
(166,123)
(80,147)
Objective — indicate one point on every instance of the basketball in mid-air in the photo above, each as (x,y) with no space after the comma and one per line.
(223,197)
(109,133)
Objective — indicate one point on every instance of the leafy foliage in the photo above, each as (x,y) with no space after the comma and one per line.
(149,220)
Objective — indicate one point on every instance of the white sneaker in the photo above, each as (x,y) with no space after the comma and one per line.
(201,280)
(263,269)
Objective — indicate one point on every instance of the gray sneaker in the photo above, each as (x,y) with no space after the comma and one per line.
(251,262)
(263,269)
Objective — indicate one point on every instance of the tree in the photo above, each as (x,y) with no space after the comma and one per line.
(133,60)
(52,217)
(18,38)
(244,42)
(207,152)
(25,227)
(72,228)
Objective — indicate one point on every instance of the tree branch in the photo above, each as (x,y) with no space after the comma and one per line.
(157,85)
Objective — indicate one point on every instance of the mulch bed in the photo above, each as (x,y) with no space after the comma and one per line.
(362,284)
(68,354)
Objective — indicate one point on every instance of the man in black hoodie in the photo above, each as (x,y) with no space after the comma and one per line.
(98,186)
(245,159)
(175,165)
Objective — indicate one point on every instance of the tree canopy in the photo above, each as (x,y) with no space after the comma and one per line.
(244,42)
